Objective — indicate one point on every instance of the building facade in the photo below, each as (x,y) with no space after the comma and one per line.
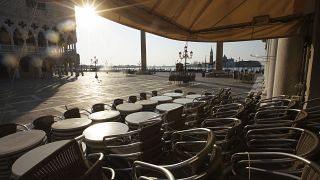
(37,39)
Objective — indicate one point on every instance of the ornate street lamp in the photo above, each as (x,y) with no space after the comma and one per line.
(184,55)
(95,62)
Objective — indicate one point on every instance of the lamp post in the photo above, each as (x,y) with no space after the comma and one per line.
(95,61)
(184,55)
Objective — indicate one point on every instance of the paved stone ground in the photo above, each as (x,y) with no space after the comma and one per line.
(25,99)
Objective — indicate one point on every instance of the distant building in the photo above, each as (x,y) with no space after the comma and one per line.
(228,63)
(248,64)
(211,59)
(36,38)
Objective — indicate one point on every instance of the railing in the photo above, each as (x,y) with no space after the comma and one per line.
(29,49)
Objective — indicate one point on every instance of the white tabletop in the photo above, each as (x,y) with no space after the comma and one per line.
(193,96)
(161,98)
(96,132)
(139,117)
(173,95)
(20,141)
(71,124)
(149,102)
(33,157)
(184,101)
(167,106)
(129,107)
(104,115)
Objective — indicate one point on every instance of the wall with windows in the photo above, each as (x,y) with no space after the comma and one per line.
(32,27)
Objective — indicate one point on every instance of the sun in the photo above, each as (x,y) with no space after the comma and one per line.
(86,14)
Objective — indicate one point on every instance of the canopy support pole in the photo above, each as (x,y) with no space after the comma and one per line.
(219,56)
(143,52)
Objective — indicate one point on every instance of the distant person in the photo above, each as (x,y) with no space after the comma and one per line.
(81,70)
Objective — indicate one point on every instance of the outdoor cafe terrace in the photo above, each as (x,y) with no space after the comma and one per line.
(218,134)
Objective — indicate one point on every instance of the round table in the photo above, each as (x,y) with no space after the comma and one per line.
(15,145)
(20,141)
(174,95)
(134,119)
(193,96)
(69,128)
(71,124)
(184,101)
(128,108)
(105,116)
(148,105)
(162,99)
(167,107)
(93,135)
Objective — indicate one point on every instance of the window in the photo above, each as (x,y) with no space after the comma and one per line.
(33,4)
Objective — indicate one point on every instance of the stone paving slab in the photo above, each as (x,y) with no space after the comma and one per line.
(24,100)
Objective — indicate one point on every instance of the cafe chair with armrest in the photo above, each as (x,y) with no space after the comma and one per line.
(139,165)
(193,155)
(194,113)
(278,118)
(312,122)
(143,144)
(233,110)
(228,133)
(292,140)
(173,120)
(273,165)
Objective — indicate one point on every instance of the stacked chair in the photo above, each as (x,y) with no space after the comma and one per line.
(189,154)
(143,144)
(220,135)
(44,123)
(10,128)
(68,162)
(273,165)
(228,132)
(75,113)
(100,107)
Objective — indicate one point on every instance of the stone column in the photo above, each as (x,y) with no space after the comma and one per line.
(313,78)
(219,55)
(143,52)
(287,72)
(272,66)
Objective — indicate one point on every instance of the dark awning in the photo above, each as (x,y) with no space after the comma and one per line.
(211,20)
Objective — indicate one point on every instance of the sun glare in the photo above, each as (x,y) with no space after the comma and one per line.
(86,14)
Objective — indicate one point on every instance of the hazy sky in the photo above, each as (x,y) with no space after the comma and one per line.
(117,44)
